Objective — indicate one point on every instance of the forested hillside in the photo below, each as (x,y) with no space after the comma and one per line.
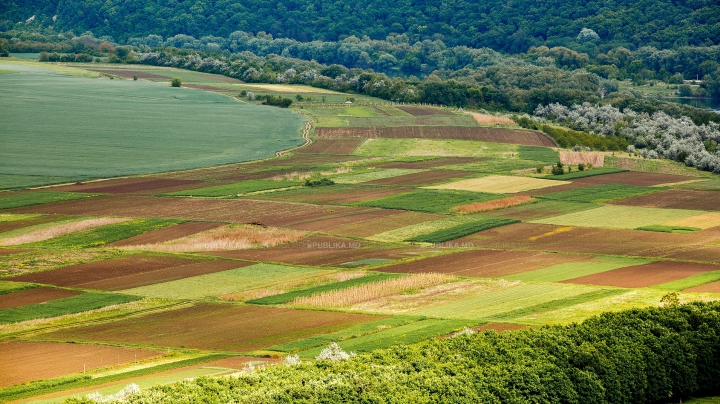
(510,26)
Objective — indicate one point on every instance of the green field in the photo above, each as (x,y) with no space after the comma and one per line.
(494,304)
(430,200)
(536,153)
(401,335)
(350,332)
(225,282)
(59,307)
(237,188)
(689,282)
(619,217)
(462,230)
(600,193)
(37,198)
(9,287)
(586,173)
(105,234)
(419,229)
(571,270)
(53,130)
(290,296)
(372,175)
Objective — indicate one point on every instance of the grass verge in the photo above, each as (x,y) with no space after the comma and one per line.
(69,305)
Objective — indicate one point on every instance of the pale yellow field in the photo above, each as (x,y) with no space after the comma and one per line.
(485,119)
(704,221)
(59,230)
(290,88)
(231,237)
(499,184)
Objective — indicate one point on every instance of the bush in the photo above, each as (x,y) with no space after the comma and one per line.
(319,183)
(176,82)
(277,101)
(557,169)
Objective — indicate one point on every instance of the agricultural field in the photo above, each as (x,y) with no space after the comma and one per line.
(35,97)
(417,223)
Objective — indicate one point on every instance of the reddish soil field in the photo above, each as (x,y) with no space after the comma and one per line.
(27,361)
(319,251)
(640,276)
(485,263)
(332,195)
(513,136)
(128,74)
(328,224)
(416,111)
(10,251)
(439,162)
(225,327)
(221,210)
(709,253)
(128,185)
(425,177)
(128,272)
(167,233)
(34,295)
(676,199)
(332,146)
(379,225)
(636,178)
(18,224)
(712,287)
(530,236)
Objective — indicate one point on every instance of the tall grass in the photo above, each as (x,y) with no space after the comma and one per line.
(372,291)
(496,204)
(227,238)
(61,229)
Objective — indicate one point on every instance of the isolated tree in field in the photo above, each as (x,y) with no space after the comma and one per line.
(176,82)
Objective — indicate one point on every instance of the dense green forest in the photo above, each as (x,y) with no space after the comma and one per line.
(510,26)
(638,356)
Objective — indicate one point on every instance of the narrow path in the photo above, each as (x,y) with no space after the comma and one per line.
(305,136)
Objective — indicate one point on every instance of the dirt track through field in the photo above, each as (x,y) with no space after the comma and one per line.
(226,327)
(132,185)
(640,276)
(483,134)
(27,361)
(167,233)
(33,296)
(485,263)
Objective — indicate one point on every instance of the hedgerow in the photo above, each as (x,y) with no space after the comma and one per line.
(635,356)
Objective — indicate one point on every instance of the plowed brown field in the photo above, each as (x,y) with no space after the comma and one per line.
(512,136)
(27,361)
(676,199)
(422,178)
(531,236)
(332,195)
(167,233)
(485,263)
(225,327)
(34,295)
(328,224)
(128,272)
(640,276)
(228,210)
(18,224)
(332,146)
(128,185)
(10,251)
(712,287)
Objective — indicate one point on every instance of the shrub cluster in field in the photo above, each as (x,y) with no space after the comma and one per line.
(568,138)
(463,230)
(636,356)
